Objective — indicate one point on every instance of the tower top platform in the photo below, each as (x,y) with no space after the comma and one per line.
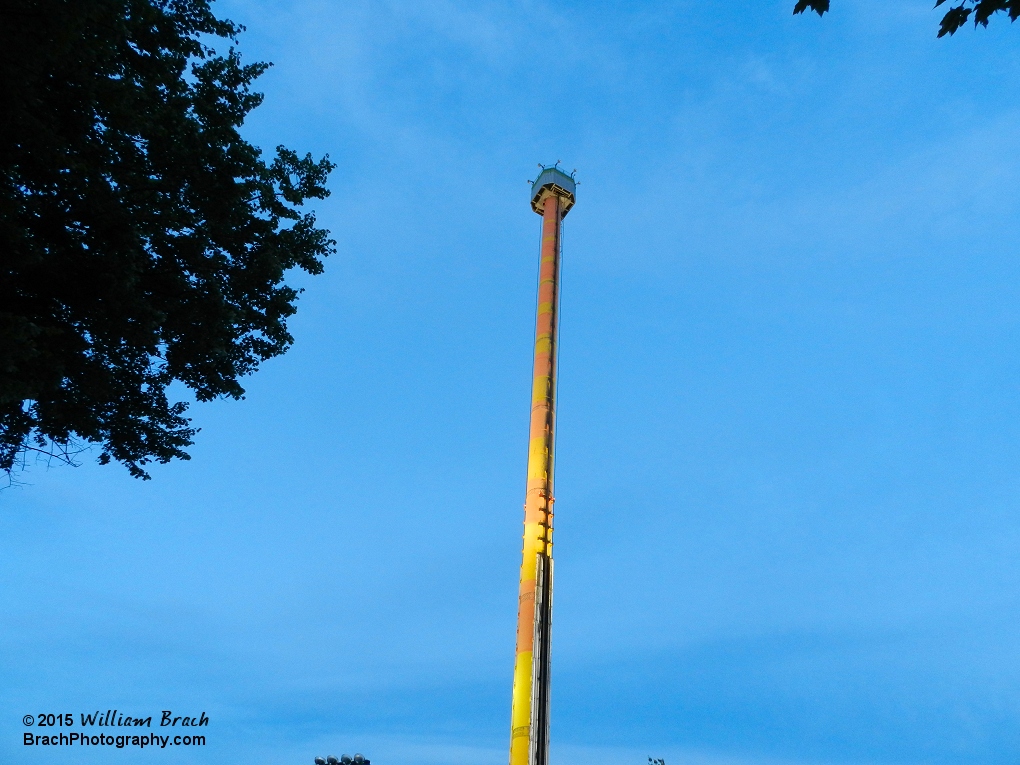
(553,181)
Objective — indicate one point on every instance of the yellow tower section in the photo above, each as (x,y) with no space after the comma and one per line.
(552,197)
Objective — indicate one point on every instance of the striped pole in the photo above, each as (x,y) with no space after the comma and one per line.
(529,740)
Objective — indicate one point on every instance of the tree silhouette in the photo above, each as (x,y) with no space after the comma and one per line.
(954,18)
(142,241)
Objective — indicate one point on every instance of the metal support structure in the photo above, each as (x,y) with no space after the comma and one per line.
(552,198)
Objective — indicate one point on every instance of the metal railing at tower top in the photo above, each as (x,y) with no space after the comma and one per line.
(553,180)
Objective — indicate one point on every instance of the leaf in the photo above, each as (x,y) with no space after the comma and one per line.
(985,8)
(818,6)
(953,20)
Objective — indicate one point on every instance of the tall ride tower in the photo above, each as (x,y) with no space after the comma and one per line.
(552,197)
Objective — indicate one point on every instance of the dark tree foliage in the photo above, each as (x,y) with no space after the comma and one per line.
(955,17)
(142,240)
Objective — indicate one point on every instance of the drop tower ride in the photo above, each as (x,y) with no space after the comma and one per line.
(552,196)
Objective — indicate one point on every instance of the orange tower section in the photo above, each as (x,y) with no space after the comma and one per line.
(552,197)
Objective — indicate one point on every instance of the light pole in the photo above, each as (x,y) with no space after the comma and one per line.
(345,759)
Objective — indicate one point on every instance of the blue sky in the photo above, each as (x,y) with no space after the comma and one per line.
(789,417)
